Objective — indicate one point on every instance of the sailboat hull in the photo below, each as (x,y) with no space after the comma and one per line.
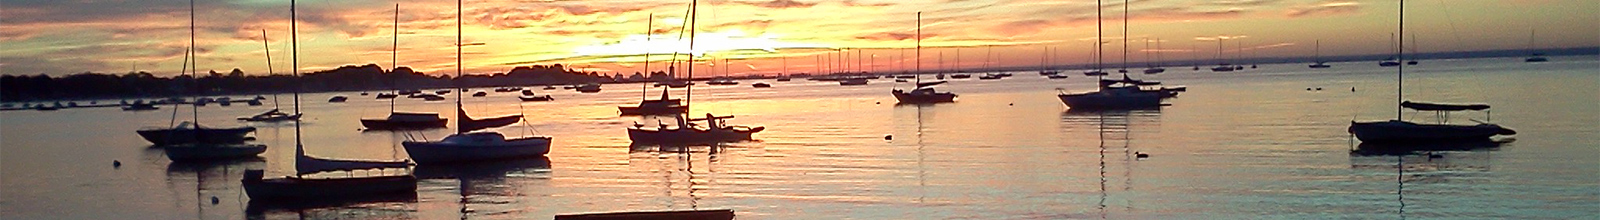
(1395,131)
(170,136)
(300,189)
(383,124)
(449,150)
(210,152)
(1104,100)
(691,136)
(916,98)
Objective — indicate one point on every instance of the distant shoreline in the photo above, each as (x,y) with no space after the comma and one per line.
(372,78)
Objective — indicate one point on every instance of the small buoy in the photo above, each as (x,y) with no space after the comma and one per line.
(214,200)
(875,103)
(1308,88)
(888,137)
(1352,89)
(1011,104)
(115,163)
(1319,88)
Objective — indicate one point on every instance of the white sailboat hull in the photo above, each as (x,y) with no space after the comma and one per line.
(475,146)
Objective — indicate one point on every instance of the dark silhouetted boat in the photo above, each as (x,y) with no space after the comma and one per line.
(467,145)
(190,132)
(686,132)
(1400,131)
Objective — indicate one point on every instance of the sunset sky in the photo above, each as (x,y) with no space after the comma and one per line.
(63,37)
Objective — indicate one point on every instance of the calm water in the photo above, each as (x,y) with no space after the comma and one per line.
(1251,144)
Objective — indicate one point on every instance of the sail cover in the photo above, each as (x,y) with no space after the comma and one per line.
(468,124)
(1421,106)
(927,84)
(305,164)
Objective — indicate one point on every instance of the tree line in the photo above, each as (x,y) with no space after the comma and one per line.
(368,77)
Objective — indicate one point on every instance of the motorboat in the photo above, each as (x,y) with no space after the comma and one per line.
(722,81)
(761,85)
(853,82)
(334,99)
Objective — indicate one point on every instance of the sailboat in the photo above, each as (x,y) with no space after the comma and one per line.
(274,115)
(299,188)
(466,145)
(1044,68)
(923,93)
(192,132)
(1414,46)
(664,105)
(716,130)
(1393,60)
(1156,67)
(403,120)
(1319,63)
(1533,56)
(1400,131)
(1126,93)
(1221,65)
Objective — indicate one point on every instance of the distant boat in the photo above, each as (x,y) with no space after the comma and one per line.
(386,96)
(990,77)
(467,145)
(722,81)
(544,98)
(784,79)
(480,94)
(1534,56)
(960,76)
(1388,63)
(853,81)
(1222,68)
(588,88)
(1318,61)
(761,85)
(1400,131)
(334,99)
(1095,73)
(1058,76)
(140,106)
(674,83)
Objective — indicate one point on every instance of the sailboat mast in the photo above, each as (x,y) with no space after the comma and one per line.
(1124,38)
(294,54)
(1400,73)
(268,51)
(919,48)
(457,80)
(394,54)
(195,67)
(644,88)
(1099,38)
(688,96)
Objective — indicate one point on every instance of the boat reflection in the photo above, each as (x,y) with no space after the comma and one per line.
(214,185)
(1114,131)
(484,182)
(684,174)
(1444,163)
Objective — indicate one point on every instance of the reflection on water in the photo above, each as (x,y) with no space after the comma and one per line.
(1253,143)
